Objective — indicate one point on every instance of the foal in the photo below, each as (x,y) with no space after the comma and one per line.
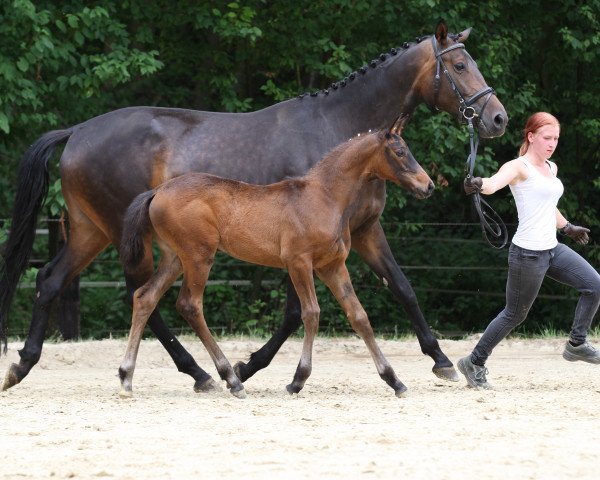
(299,224)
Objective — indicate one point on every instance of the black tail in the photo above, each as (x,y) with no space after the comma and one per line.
(32,186)
(136,227)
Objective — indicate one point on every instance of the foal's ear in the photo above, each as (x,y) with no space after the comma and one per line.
(399,124)
(441,31)
(462,36)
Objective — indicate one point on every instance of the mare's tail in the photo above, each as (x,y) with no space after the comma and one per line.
(137,226)
(32,186)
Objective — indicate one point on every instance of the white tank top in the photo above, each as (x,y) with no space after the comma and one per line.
(536,199)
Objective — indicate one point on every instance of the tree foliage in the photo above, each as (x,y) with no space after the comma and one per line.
(63,62)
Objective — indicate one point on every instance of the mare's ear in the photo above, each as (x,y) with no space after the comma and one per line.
(462,36)
(441,31)
(399,124)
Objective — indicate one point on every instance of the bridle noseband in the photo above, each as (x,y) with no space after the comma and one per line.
(490,221)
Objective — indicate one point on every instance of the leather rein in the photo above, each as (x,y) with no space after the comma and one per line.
(491,223)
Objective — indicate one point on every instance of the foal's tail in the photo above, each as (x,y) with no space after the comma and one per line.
(32,186)
(137,226)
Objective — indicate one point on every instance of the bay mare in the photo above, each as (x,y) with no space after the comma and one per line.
(302,225)
(110,159)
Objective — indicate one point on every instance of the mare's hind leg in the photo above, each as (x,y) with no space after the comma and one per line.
(85,242)
(302,276)
(336,277)
(189,305)
(262,357)
(145,300)
(373,247)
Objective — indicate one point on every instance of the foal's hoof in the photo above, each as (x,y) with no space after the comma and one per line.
(208,386)
(125,393)
(446,373)
(401,391)
(240,393)
(12,377)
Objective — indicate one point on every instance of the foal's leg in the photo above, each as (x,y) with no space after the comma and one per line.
(336,277)
(373,247)
(183,360)
(85,242)
(145,300)
(189,305)
(262,357)
(302,277)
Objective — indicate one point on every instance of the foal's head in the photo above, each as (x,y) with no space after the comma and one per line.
(398,165)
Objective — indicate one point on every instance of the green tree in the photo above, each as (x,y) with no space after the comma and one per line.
(60,65)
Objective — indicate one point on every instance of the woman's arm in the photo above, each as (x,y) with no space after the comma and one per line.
(561,221)
(510,173)
(579,234)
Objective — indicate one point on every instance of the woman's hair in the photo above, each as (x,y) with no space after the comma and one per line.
(534,123)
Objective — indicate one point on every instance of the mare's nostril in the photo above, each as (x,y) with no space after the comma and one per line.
(500,120)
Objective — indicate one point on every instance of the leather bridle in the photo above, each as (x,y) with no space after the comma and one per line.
(490,221)
(465,104)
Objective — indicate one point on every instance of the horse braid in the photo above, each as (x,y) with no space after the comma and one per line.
(137,226)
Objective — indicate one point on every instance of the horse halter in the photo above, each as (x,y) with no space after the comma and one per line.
(490,221)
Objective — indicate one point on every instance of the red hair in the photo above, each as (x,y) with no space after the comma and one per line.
(534,123)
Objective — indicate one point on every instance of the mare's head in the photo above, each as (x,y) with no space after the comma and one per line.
(396,163)
(451,81)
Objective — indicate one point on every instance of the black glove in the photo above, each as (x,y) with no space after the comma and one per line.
(472,185)
(579,234)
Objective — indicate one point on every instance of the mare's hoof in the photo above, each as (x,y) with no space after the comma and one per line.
(241,393)
(125,393)
(237,369)
(12,377)
(401,391)
(291,389)
(208,386)
(446,373)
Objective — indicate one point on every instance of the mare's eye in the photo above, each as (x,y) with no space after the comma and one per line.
(459,67)
(399,152)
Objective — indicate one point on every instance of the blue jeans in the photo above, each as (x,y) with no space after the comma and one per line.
(526,271)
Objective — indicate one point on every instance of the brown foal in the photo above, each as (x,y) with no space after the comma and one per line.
(299,224)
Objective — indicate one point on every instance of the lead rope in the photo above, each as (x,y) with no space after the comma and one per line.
(491,223)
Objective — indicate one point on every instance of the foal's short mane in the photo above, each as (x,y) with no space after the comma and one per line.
(375,138)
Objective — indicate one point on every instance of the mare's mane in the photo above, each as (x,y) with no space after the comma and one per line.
(380,59)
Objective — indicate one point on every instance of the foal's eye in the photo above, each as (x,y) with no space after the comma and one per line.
(459,67)
(399,152)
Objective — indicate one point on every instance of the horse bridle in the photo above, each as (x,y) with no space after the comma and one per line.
(490,221)
(465,104)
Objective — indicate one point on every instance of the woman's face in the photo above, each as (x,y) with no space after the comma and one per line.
(544,140)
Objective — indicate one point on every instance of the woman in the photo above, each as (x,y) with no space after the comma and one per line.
(535,252)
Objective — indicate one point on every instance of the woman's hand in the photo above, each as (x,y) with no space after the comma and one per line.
(579,234)
(472,185)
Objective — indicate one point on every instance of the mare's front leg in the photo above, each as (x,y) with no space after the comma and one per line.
(262,357)
(145,300)
(372,246)
(337,278)
(301,274)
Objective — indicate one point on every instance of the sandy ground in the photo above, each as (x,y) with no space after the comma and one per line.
(66,419)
